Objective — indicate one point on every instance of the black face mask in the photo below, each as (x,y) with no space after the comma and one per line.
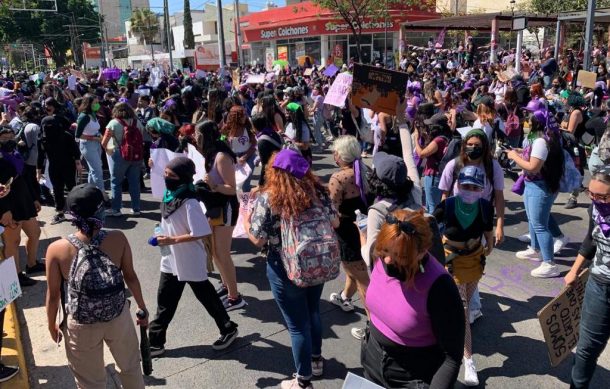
(474,152)
(172,184)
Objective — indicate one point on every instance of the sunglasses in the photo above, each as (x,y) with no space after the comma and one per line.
(598,196)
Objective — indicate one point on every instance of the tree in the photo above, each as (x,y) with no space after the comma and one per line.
(145,24)
(189,37)
(357,13)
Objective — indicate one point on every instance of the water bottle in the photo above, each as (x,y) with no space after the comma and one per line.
(165,251)
(361,220)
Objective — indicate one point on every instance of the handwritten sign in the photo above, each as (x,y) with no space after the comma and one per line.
(586,79)
(560,320)
(255,79)
(161,157)
(339,90)
(9,282)
(378,89)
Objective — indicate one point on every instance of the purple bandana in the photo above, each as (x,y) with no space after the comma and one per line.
(601,215)
(291,162)
(359,179)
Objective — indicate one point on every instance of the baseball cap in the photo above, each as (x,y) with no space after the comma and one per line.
(84,200)
(471,175)
(439,119)
(390,169)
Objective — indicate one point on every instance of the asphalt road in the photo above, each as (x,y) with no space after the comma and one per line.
(508,343)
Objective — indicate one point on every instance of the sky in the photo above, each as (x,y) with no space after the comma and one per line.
(177,5)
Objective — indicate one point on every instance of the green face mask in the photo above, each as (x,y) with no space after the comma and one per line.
(95,107)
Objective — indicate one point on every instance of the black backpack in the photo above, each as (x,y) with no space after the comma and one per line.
(22,143)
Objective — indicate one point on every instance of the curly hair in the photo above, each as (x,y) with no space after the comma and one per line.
(289,196)
(236,122)
(404,248)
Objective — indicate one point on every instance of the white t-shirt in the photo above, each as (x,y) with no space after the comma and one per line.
(487,128)
(539,149)
(240,144)
(187,260)
(292,134)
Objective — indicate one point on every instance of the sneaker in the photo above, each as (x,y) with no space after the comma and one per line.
(572,203)
(470,373)
(358,333)
(39,267)
(475,315)
(222,291)
(7,372)
(317,366)
(58,218)
(346,304)
(294,384)
(25,280)
(156,351)
(546,270)
(113,213)
(530,254)
(560,243)
(525,238)
(135,213)
(225,340)
(233,304)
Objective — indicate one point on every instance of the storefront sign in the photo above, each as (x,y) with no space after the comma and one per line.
(338,90)
(338,27)
(560,320)
(269,58)
(378,89)
(282,53)
(284,32)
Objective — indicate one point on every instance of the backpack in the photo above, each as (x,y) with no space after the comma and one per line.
(22,143)
(132,145)
(512,124)
(310,248)
(96,288)
(451,153)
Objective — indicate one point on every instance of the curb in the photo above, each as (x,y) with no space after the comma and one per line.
(12,350)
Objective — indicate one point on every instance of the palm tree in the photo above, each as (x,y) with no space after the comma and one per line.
(189,38)
(145,24)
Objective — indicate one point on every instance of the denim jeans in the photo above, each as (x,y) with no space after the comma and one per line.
(538,201)
(547,82)
(475,301)
(554,227)
(432,192)
(318,120)
(119,170)
(594,332)
(301,310)
(92,152)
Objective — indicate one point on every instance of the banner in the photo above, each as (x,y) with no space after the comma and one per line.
(560,320)
(378,89)
(338,90)
(9,282)
(161,157)
(269,58)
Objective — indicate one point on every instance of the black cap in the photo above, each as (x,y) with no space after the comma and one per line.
(439,119)
(390,169)
(84,200)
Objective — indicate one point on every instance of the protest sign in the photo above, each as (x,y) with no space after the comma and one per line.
(378,89)
(236,78)
(255,79)
(586,79)
(353,381)
(9,282)
(161,157)
(560,320)
(338,90)
(330,71)
(308,72)
(72,82)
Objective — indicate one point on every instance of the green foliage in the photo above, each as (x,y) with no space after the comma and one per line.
(189,37)
(555,6)
(144,24)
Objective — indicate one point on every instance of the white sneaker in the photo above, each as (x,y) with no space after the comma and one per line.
(525,238)
(475,315)
(530,254)
(546,270)
(346,304)
(470,373)
(358,333)
(560,243)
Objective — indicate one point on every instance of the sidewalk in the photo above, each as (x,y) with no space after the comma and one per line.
(12,350)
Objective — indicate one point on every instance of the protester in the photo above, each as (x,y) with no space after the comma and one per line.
(88,132)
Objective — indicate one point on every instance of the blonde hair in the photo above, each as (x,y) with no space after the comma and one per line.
(347,147)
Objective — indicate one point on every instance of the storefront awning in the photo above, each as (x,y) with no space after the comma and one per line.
(479,22)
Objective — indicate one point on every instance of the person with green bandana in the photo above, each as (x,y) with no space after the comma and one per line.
(467,218)
(90,137)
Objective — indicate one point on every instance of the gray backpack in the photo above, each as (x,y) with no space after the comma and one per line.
(96,288)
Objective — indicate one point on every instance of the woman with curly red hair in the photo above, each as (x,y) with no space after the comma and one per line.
(241,139)
(292,189)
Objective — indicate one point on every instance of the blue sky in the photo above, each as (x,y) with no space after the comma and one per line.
(177,5)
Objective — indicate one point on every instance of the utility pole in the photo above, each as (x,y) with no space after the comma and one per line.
(221,35)
(101,23)
(589,34)
(168,33)
(240,59)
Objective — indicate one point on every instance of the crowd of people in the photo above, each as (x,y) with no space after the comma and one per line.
(411,227)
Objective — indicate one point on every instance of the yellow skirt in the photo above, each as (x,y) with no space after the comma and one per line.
(465,268)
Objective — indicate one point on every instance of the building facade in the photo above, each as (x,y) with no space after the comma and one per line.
(115,13)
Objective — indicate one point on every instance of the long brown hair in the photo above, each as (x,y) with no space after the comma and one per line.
(402,247)
(236,122)
(123,111)
(289,196)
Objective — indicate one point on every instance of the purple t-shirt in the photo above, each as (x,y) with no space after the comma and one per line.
(431,168)
(401,312)
(447,179)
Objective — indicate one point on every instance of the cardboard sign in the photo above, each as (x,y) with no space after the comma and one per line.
(339,90)
(378,89)
(308,72)
(586,79)
(560,320)
(9,282)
